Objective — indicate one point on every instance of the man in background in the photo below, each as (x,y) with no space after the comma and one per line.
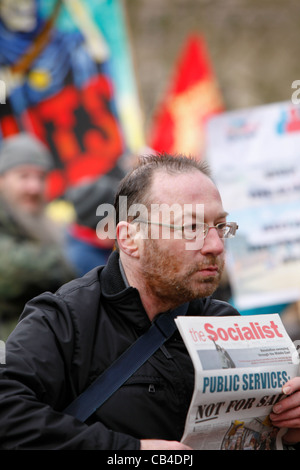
(31,259)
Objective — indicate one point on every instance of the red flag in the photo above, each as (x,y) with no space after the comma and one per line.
(193,97)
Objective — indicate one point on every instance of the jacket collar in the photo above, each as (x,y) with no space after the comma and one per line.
(112,280)
(123,298)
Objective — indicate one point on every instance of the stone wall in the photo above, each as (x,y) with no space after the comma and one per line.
(254,46)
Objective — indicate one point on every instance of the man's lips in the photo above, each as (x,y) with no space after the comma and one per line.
(209,270)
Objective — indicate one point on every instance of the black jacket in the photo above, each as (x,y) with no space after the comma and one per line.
(64,341)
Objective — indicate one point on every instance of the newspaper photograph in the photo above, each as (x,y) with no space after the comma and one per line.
(241,365)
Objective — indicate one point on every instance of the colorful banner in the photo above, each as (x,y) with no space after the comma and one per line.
(254,154)
(193,97)
(67,70)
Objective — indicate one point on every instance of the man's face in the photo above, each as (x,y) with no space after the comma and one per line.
(18,16)
(173,270)
(24,188)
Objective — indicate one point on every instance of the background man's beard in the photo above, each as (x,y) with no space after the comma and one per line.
(38,226)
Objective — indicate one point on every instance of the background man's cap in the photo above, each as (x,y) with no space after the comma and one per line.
(24,149)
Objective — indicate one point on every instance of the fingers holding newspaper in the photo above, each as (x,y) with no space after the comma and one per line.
(158,444)
(286,413)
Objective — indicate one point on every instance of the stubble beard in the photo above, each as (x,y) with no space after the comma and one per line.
(165,279)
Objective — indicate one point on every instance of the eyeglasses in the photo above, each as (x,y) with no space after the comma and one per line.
(198,230)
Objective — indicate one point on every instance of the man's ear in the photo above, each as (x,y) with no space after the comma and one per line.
(129,238)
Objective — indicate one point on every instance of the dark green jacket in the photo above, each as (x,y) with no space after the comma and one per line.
(27,268)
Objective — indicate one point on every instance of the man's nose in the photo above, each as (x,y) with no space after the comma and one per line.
(213,244)
(35,185)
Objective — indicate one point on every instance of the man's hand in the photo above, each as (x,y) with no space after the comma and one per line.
(158,444)
(286,413)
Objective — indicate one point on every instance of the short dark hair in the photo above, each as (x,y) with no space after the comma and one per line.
(135,185)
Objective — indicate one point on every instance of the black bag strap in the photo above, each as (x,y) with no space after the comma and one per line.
(133,358)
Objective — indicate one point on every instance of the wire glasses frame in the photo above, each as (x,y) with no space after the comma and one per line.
(197,230)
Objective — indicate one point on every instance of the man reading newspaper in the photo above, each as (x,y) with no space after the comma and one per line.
(65,340)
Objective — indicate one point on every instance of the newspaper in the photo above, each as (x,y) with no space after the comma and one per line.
(241,365)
